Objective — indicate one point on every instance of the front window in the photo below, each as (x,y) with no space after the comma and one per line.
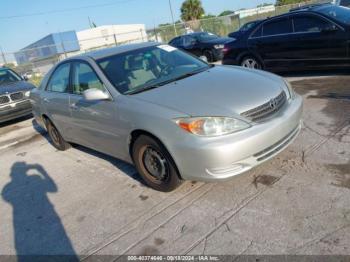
(8,76)
(150,67)
(309,24)
(339,13)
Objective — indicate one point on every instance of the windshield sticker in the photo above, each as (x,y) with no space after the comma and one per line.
(167,48)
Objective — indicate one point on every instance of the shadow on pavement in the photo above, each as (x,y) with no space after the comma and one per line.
(38,229)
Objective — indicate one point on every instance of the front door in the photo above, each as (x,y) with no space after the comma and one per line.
(317,42)
(93,122)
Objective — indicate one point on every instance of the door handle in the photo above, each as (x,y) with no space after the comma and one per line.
(46,100)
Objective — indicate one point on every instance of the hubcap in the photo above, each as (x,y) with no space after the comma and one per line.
(250,63)
(54,135)
(204,58)
(155,164)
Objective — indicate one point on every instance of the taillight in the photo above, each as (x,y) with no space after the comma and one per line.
(225,50)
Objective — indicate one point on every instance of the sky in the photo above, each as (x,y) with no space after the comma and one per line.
(20,27)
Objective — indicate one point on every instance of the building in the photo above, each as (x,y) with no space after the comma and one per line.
(44,53)
(109,35)
(255,11)
(49,46)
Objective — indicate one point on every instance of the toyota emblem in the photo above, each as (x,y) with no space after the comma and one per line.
(273,103)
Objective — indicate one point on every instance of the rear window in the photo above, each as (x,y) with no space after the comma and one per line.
(277,27)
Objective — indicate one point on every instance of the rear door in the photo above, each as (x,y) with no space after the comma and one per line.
(93,122)
(55,99)
(317,41)
(271,42)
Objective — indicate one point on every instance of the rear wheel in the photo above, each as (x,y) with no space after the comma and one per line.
(154,164)
(251,62)
(207,56)
(56,138)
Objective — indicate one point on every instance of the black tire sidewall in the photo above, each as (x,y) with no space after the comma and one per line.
(173,180)
(209,55)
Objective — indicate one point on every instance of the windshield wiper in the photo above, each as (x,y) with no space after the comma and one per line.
(146,88)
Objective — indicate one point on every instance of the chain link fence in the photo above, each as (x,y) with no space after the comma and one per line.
(35,62)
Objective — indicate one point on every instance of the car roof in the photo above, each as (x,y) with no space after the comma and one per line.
(106,52)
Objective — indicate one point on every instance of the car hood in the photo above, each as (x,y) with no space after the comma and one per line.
(219,91)
(15,87)
(219,41)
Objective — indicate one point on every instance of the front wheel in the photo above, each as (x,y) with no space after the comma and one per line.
(251,62)
(155,165)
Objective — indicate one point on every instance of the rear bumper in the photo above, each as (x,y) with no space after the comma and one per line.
(224,157)
(15,110)
(218,54)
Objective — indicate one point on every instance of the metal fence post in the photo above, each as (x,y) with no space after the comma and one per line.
(142,35)
(115,39)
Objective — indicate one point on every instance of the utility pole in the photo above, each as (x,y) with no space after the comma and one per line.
(3,55)
(172,16)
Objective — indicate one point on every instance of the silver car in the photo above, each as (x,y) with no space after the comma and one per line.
(172,115)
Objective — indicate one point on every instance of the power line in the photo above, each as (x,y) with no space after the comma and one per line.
(66,10)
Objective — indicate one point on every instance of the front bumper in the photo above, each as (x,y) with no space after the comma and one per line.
(15,110)
(219,158)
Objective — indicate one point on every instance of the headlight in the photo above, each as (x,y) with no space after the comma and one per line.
(27,93)
(219,46)
(290,89)
(211,126)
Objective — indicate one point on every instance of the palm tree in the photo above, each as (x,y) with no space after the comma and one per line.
(191,10)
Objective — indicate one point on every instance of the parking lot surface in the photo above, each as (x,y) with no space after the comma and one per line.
(85,203)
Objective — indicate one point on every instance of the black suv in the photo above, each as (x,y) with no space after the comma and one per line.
(310,37)
(14,95)
(205,45)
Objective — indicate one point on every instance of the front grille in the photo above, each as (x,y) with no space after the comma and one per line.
(4,100)
(266,110)
(16,96)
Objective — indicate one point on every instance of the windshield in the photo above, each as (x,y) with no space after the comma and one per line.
(8,76)
(339,13)
(149,67)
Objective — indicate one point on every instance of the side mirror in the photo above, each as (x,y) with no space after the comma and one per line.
(95,94)
(25,78)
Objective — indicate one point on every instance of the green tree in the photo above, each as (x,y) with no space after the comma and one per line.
(191,10)
(226,12)
(288,2)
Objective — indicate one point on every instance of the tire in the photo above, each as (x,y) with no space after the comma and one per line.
(154,164)
(209,55)
(56,139)
(251,62)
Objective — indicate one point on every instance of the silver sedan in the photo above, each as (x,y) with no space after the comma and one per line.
(172,115)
